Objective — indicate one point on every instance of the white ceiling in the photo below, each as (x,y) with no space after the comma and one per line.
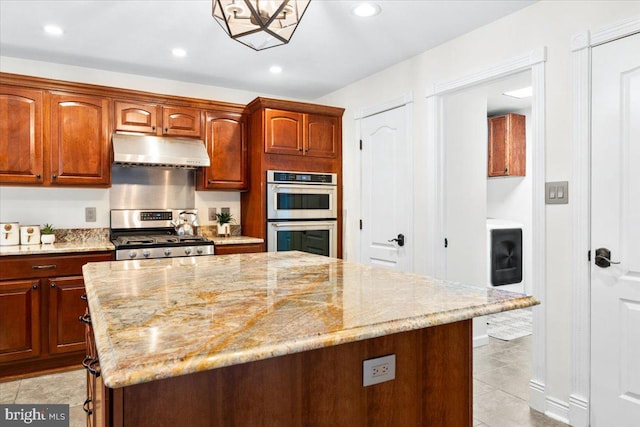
(330,49)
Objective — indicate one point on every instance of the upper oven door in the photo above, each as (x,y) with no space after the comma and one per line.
(293,201)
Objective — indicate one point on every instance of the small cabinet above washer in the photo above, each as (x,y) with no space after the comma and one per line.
(507,145)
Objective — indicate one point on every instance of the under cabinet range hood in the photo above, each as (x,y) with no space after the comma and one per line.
(142,150)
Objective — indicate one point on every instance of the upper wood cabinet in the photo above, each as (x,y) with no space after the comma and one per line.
(150,118)
(507,145)
(79,140)
(21,152)
(226,142)
(294,133)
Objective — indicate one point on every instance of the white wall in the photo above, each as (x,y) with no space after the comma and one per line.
(510,198)
(546,23)
(64,207)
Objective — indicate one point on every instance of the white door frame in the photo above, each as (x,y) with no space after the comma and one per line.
(581,45)
(402,101)
(535,61)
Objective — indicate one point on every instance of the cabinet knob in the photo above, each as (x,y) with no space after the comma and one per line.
(210,182)
(35,286)
(506,170)
(38,176)
(166,129)
(55,176)
(306,151)
(53,284)
(300,150)
(153,128)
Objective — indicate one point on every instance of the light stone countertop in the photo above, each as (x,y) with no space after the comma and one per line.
(57,248)
(235,240)
(156,319)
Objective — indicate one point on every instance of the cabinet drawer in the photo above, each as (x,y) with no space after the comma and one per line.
(22,267)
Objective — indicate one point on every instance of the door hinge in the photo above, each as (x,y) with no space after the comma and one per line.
(589,255)
(360,144)
(360,224)
(446,243)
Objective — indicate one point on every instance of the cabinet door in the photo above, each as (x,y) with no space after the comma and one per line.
(497,146)
(20,135)
(284,132)
(322,136)
(246,248)
(136,117)
(66,332)
(19,319)
(80,140)
(226,140)
(181,121)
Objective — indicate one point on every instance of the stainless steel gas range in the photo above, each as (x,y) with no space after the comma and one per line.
(160,233)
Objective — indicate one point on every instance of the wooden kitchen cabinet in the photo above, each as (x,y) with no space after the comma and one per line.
(245,248)
(66,333)
(21,150)
(299,134)
(507,145)
(79,140)
(19,319)
(155,119)
(39,309)
(226,142)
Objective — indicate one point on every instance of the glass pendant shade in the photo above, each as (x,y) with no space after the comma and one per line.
(260,24)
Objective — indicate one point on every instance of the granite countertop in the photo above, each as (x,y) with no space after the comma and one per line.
(235,240)
(57,248)
(156,319)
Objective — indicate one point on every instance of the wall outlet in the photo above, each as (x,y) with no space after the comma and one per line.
(212,215)
(378,370)
(90,214)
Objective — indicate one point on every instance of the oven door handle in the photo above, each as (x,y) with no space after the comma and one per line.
(316,223)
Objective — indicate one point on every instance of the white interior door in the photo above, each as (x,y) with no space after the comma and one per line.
(615,225)
(465,136)
(387,190)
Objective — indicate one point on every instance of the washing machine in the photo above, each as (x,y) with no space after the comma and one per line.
(505,257)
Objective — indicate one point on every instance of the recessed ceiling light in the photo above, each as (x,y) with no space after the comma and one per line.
(366,9)
(178,52)
(525,92)
(54,30)
(275,69)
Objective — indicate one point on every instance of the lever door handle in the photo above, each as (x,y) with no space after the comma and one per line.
(603,258)
(399,240)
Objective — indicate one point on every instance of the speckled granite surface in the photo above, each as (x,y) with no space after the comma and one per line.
(235,240)
(156,319)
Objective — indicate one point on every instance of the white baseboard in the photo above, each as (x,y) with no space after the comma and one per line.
(537,398)
(557,409)
(578,411)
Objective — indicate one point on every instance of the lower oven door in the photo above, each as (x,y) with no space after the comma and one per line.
(316,237)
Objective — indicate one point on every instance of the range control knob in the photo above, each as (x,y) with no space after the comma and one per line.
(146,253)
(199,251)
(187,251)
(167,252)
(133,254)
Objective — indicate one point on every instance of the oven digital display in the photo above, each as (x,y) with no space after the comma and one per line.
(156,216)
(302,177)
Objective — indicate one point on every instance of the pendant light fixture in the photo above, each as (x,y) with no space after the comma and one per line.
(259,24)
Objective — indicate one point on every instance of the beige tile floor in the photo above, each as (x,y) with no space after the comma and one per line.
(501,373)
(500,388)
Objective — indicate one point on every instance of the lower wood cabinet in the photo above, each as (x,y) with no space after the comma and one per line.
(40,303)
(247,248)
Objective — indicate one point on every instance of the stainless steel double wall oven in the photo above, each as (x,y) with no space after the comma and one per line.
(302,211)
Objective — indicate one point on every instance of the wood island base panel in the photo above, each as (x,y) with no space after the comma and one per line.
(281,336)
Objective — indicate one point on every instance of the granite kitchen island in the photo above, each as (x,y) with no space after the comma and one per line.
(278,339)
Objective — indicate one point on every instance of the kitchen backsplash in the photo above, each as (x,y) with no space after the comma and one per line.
(81,235)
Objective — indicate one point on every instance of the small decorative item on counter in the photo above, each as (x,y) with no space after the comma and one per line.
(224,221)
(30,235)
(9,233)
(48,236)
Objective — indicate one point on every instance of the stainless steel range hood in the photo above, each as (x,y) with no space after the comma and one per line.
(141,150)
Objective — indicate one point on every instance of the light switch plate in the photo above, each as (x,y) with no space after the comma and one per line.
(90,214)
(556,193)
